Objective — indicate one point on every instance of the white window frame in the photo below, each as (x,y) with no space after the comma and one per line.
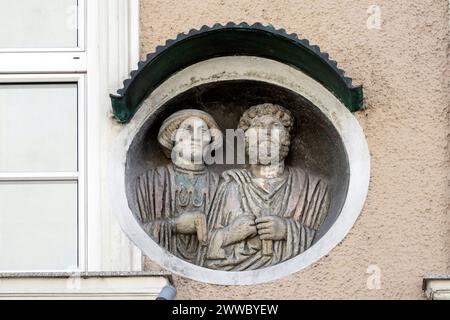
(79,176)
(109,51)
(81,35)
(49,60)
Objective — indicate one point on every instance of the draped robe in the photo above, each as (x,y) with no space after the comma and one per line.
(164,193)
(300,198)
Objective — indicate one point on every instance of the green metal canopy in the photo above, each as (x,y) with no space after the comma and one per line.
(231,40)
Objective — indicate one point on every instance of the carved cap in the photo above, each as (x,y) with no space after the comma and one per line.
(173,122)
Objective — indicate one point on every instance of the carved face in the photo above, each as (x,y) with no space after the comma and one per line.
(191,138)
(267,139)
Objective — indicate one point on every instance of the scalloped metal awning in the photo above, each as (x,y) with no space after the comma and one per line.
(231,40)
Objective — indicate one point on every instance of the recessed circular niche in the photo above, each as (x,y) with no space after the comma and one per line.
(316,146)
(328,142)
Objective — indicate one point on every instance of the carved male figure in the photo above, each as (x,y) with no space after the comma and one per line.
(270,212)
(173,200)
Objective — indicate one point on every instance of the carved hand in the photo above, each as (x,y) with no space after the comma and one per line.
(271,228)
(241,228)
(187,223)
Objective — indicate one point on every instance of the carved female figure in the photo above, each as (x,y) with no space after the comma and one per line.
(173,200)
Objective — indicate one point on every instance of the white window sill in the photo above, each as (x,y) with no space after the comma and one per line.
(82,286)
(437,286)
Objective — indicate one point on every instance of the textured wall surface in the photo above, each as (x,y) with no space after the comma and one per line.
(404,227)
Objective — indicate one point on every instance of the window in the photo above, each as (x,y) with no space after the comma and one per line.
(42,24)
(52,194)
(52,147)
(42,36)
(41,172)
(42,133)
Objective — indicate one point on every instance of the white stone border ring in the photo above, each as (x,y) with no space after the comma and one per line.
(257,69)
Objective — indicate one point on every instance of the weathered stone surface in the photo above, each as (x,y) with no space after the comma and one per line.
(247,218)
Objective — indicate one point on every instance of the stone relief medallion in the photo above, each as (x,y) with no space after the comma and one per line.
(237,169)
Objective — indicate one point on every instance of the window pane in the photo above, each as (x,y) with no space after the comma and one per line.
(38,127)
(38,24)
(38,225)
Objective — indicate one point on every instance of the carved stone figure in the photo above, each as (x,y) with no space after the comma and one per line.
(268,213)
(173,200)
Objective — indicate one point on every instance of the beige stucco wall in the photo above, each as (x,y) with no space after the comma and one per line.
(404,227)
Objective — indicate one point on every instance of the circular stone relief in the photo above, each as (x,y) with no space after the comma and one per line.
(229,222)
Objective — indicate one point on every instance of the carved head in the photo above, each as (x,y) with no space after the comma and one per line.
(267,130)
(190,134)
